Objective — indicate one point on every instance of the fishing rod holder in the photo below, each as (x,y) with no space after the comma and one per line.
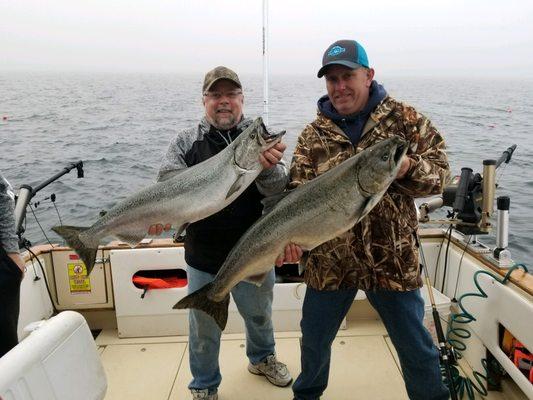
(471,196)
(26,193)
(501,252)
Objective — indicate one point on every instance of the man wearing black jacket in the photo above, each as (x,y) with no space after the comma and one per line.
(208,241)
(11,271)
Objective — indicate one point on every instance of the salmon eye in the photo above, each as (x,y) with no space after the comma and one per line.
(385,157)
(252,135)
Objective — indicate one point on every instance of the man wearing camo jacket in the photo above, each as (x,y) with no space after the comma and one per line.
(379,254)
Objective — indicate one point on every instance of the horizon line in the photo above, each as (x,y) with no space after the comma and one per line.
(412,74)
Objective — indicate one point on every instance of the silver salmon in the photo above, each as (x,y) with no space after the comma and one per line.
(308,216)
(192,194)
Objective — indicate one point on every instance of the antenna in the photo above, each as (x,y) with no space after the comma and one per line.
(265,62)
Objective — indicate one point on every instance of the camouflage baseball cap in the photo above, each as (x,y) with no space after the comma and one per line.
(220,73)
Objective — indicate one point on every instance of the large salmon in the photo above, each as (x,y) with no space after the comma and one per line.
(308,216)
(192,194)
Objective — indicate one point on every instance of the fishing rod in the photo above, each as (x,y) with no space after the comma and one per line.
(265,62)
(26,193)
(446,353)
(471,197)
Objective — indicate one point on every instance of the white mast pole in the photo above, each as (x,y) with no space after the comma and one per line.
(265,62)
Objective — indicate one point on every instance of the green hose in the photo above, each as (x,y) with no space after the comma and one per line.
(464,384)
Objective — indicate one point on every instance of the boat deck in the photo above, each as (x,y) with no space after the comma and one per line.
(364,366)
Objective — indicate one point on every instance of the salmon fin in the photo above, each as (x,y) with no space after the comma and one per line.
(181,229)
(199,300)
(71,234)
(257,279)
(271,201)
(368,205)
(303,262)
(131,237)
(239,182)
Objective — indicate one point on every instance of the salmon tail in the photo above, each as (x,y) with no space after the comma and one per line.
(199,300)
(71,234)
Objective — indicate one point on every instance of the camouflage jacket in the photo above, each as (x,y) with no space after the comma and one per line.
(8,238)
(381,251)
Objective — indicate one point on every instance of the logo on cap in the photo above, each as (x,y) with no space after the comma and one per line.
(336,50)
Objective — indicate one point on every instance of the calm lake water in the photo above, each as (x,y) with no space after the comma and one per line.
(120,126)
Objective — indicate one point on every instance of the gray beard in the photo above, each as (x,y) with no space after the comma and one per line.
(226,125)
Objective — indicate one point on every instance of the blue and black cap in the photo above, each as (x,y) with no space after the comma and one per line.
(344,52)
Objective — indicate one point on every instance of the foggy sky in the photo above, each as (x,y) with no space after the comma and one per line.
(418,38)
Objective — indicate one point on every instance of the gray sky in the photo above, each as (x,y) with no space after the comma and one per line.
(430,38)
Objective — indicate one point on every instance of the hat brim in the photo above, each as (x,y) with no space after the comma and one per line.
(238,84)
(345,63)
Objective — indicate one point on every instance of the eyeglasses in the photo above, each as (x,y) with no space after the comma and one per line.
(218,95)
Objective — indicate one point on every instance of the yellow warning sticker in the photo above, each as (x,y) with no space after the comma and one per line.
(78,280)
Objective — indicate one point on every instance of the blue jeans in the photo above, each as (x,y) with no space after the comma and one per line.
(402,314)
(255,306)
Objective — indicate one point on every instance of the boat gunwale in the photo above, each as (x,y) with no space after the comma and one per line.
(521,279)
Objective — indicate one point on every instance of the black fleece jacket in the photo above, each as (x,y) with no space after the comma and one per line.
(208,241)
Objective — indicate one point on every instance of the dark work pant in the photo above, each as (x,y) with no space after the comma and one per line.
(10,277)
(402,314)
